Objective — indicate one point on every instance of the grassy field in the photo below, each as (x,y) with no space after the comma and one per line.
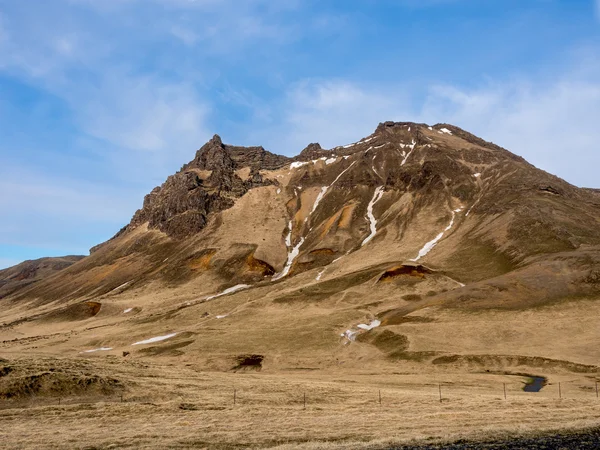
(168,406)
(179,393)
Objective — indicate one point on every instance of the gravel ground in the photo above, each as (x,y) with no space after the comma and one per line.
(579,440)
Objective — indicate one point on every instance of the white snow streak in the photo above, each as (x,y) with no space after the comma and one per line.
(122,286)
(127,310)
(351,334)
(297,164)
(476,175)
(222,316)
(374,324)
(101,349)
(412,147)
(343,172)
(445,130)
(319,198)
(278,191)
(320,274)
(155,339)
(231,290)
(331,160)
(472,206)
(293,254)
(372,221)
(431,244)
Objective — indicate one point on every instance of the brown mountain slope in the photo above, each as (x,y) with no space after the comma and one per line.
(382,229)
(245,212)
(28,272)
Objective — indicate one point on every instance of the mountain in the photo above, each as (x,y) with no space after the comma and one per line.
(28,272)
(410,219)
(437,194)
(420,261)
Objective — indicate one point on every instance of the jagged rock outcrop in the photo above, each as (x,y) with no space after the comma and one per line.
(209,183)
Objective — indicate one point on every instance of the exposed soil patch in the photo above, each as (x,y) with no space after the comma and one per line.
(249,362)
(417,270)
(202,260)
(259,266)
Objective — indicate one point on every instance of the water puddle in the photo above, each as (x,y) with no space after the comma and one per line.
(535,383)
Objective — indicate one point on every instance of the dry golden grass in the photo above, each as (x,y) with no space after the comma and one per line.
(304,353)
(168,406)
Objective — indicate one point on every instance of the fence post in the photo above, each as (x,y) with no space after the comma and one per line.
(559,391)
(234,396)
(440,389)
(59,400)
(504,390)
(596,389)
(304,400)
(379,397)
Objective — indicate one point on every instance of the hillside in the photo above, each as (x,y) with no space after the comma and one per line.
(28,272)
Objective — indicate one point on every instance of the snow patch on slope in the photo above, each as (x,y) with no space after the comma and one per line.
(155,339)
(294,252)
(431,244)
(101,349)
(412,147)
(372,221)
(231,290)
(297,164)
(352,333)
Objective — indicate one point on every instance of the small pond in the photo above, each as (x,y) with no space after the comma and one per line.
(535,383)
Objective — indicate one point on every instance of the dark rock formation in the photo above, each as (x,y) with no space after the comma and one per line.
(207,184)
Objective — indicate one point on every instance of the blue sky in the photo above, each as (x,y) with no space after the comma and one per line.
(100,100)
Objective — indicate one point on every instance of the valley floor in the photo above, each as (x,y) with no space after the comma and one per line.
(166,406)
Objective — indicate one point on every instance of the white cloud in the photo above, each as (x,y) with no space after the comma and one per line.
(332,113)
(142,113)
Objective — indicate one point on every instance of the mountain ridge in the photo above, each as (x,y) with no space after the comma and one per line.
(422,189)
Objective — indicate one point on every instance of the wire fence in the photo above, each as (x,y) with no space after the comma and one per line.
(303,397)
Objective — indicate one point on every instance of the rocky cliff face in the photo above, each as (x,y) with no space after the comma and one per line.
(210,183)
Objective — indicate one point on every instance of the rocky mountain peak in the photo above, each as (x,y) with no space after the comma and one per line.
(312,151)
